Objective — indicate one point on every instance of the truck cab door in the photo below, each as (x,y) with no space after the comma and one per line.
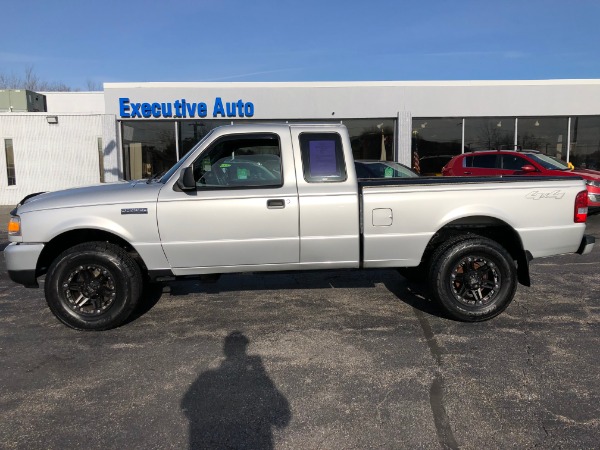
(243,211)
(328,195)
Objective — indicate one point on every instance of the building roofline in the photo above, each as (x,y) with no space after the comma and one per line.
(333,84)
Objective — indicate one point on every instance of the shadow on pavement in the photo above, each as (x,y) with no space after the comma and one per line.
(235,405)
(413,294)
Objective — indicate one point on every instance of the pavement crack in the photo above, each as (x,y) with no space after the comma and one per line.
(436,391)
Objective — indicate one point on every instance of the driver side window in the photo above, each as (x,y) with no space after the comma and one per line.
(240,161)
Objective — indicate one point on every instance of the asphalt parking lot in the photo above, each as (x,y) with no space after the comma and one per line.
(315,360)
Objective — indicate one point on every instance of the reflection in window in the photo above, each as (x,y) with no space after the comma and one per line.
(481,161)
(546,134)
(489,133)
(434,143)
(10,162)
(371,138)
(248,160)
(148,148)
(585,142)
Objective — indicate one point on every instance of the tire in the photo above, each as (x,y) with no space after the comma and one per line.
(474,279)
(93,286)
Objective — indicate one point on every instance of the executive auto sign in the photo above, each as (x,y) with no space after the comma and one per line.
(181,108)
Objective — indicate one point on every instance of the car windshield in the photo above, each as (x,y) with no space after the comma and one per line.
(549,162)
(382,169)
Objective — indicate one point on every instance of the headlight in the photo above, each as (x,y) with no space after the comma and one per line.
(14,226)
(592,183)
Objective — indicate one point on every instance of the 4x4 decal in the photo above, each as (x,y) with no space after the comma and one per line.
(536,195)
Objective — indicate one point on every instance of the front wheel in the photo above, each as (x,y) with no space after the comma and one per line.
(474,279)
(93,286)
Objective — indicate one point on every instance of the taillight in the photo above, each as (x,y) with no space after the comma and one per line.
(581,207)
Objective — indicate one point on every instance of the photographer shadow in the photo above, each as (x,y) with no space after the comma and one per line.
(235,405)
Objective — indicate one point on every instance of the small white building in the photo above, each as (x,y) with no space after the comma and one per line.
(132,130)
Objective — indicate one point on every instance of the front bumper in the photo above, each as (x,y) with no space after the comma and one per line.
(587,243)
(21,262)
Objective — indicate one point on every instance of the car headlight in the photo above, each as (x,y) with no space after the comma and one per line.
(592,183)
(14,226)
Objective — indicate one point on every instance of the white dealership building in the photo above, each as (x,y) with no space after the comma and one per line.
(56,140)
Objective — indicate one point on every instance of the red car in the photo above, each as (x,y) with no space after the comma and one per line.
(525,162)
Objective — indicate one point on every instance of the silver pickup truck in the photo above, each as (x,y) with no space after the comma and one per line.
(252,198)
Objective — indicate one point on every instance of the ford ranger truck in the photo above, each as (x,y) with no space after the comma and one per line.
(265,197)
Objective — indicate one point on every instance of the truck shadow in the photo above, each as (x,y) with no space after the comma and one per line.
(413,294)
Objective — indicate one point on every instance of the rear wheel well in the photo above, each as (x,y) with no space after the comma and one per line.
(72,238)
(488,227)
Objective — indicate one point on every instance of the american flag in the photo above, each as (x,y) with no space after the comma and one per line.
(416,165)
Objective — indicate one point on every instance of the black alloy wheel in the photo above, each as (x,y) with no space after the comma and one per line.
(89,289)
(93,286)
(474,279)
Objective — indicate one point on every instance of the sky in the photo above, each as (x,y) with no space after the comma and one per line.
(79,41)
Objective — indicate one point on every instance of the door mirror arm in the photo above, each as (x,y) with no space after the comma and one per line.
(186,181)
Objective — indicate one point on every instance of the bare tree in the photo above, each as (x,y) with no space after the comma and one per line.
(30,81)
(93,85)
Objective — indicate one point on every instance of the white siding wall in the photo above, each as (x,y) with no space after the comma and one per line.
(75,102)
(53,157)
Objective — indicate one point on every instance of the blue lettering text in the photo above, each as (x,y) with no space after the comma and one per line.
(124,107)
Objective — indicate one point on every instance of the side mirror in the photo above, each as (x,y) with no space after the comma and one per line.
(528,168)
(186,180)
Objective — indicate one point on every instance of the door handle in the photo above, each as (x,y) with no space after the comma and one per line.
(276,203)
(468,173)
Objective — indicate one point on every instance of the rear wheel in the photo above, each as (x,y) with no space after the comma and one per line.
(474,279)
(93,286)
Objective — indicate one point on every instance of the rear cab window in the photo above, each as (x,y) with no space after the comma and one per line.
(322,157)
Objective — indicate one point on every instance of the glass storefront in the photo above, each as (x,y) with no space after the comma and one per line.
(585,142)
(192,131)
(434,137)
(434,143)
(545,134)
(489,133)
(372,138)
(148,148)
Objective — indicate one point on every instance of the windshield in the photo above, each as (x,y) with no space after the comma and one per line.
(179,163)
(549,162)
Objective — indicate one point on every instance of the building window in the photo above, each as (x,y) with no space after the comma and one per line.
(371,139)
(192,131)
(434,143)
(489,133)
(10,162)
(148,148)
(545,134)
(585,142)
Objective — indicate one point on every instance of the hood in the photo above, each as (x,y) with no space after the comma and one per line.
(587,173)
(104,194)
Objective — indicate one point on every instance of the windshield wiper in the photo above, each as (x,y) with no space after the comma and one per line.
(155,177)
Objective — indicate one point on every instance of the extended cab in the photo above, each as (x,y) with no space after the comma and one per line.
(270,197)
